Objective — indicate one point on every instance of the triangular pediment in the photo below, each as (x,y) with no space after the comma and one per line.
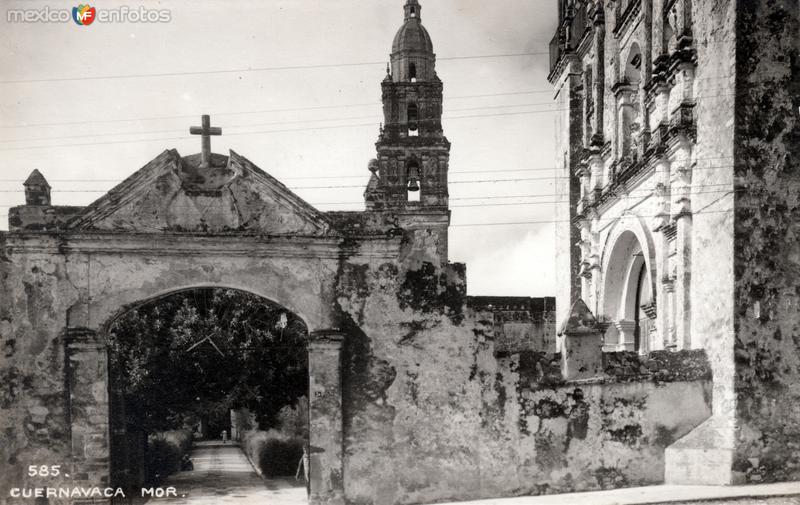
(177,194)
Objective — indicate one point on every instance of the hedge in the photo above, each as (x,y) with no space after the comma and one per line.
(164,453)
(276,454)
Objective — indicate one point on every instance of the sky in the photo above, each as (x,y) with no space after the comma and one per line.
(295,87)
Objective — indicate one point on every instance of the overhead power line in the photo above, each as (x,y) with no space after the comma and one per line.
(376,118)
(313,128)
(257,69)
(372,124)
(265,111)
(609,219)
(364,174)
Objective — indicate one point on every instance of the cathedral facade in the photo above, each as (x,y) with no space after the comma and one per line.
(677,157)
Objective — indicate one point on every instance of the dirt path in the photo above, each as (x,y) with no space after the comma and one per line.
(223,475)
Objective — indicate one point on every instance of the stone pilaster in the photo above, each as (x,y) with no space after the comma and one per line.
(626,96)
(599,82)
(87,378)
(682,216)
(325,413)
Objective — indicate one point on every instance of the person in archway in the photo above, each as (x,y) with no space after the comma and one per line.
(304,464)
(224,436)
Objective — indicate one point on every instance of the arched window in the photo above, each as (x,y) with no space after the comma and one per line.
(669,41)
(413,120)
(631,124)
(412,181)
(412,72)
(633,65)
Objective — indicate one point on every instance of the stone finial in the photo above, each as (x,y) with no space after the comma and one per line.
(581,354)
(37,190)
(580,320)
(373,165)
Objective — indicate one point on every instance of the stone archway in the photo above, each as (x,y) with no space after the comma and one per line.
(628,294)
(90,413)
(217,350)
(139,269)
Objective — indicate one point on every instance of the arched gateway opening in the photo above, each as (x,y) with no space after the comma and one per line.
(195,375)
(628,296)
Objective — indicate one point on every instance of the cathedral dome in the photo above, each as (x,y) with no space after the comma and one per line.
(412,36)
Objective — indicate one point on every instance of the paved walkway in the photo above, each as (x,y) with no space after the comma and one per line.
(223,475)
(765,494)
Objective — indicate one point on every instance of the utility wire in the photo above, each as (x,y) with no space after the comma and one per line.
(344,186)
(632,194)
(371,124)
(551,178)
(362,175)
(269,123)
(258,69)
(266,111)
(556,221)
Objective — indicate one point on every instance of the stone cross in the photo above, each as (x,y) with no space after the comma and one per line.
(205,131)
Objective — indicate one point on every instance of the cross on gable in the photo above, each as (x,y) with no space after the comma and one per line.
(205,131)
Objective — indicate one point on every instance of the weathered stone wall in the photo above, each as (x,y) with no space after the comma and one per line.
(433,413)
(766,245)
(519,324)
(62,294)
(437,401)
(33,401)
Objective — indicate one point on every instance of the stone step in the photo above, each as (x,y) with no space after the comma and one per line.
(703,457)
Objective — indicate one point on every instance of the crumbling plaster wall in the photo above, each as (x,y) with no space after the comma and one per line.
(432,412)
(45,292)
(32,391)
(767,242)
(431,409)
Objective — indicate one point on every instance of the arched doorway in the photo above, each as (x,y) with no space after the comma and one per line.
(628,296)
(203,370)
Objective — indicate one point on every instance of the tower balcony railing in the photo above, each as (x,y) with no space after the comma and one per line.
(570,32)
(556,48)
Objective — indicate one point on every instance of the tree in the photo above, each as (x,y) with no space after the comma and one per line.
(197,352)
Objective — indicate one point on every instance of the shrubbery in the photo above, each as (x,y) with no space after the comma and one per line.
(275,453)
(164,453)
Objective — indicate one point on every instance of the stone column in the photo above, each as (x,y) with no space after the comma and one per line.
(670,341)
(599,79)
(626,328)
(682,216)
(87,379)
(325,417)
(596,170)
(625,107)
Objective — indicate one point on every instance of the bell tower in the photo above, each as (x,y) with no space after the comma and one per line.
(410,172)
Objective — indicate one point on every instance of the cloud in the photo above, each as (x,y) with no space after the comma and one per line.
(521,266)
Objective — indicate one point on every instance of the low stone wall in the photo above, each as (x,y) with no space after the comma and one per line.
(609,431)
(454,413)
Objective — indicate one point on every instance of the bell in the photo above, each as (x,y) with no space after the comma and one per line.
(413,185)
